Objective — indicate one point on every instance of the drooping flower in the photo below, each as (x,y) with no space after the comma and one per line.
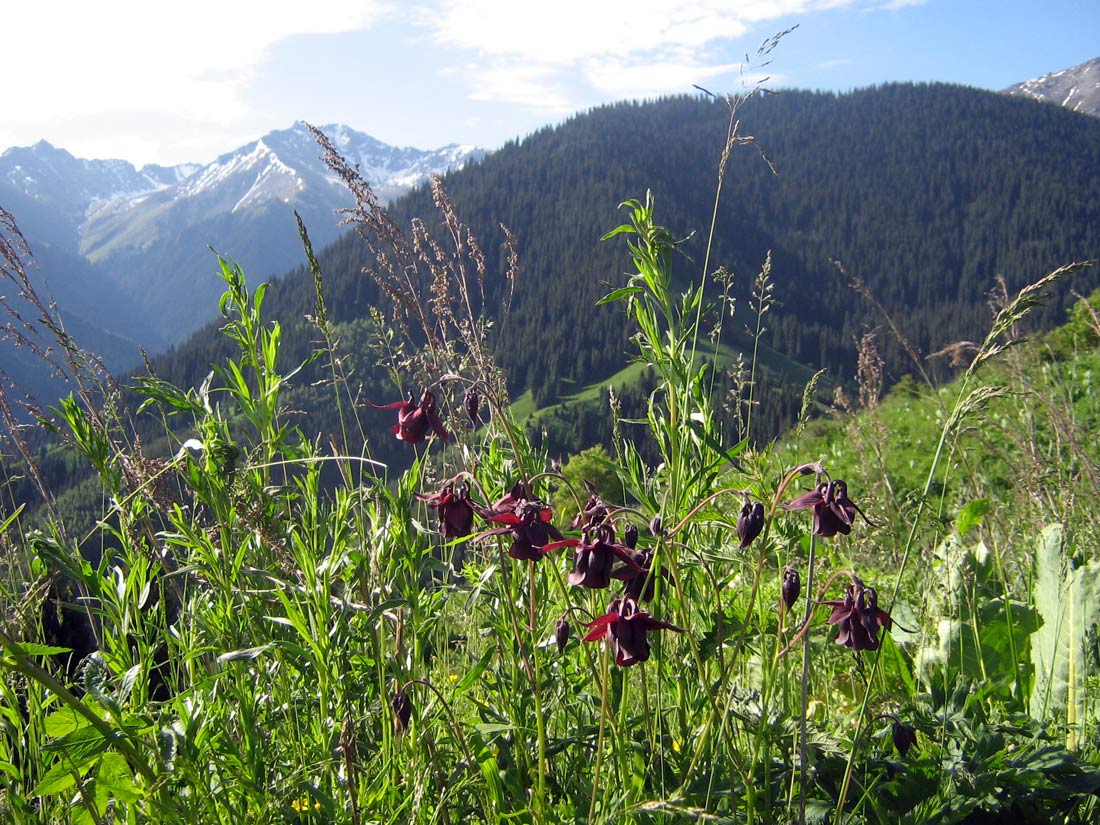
(750,522)
(401,705)
(594,558)
(904,736)
(834,512)
(529,523)
(626,626)
(642,581)
(630,536)
(456,510)
(562,631)
(472,403)
(859,617)
(414,421)
(790,587)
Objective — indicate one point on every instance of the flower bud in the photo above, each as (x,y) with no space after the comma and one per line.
(905,736)
(472,404)
(630,536)
(655,526)
(402,708)
(561,634)
(791,586)
(750,522)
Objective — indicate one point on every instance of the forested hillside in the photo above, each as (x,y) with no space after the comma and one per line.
(928,194)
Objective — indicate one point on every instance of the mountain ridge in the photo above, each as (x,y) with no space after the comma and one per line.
(1076,88)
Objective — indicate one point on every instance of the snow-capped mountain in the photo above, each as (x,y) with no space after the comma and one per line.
(72,188)
(1076,88)
(150,230)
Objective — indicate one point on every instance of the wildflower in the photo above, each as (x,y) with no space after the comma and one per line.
(594,558)
(834,512)
(750,522)
(401,705)
(594,512)
(472,404)
(639,584)
(630,536)
(905,736)
(530,527)
(456,510)
(859,617)
(791,586)
(561,634)
(626,626)
(415,420)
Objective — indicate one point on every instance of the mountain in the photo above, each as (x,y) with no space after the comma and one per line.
(242,205)
(930,195)
(1076,88)
(126,251)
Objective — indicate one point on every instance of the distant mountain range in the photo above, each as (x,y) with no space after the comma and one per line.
(126,251)
(1077,88)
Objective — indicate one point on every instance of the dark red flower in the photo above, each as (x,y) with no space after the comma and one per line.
(594,558)
(472,403)
(904,736)
(859,617)
(626,626)
(561,634)
(402,708)
(790,587)
(750,522)
(640,584)
(834,512)
(532,533)
(414,421)
(630,536)
(456,510)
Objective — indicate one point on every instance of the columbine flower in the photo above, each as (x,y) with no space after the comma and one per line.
(472,403)
(529,523)
(626,627)
(594,558)
(790,587)
(456,510)
(401,705)
(905,736)
(630,536)
(750,522)
(561,634)
(642,577)
(415,420)
(834,512)
(859,617)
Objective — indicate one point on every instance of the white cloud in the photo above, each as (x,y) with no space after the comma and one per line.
(540,54)
(192,60)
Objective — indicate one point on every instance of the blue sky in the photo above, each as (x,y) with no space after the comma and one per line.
(172,83)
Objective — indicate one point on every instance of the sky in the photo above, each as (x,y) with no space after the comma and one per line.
(169,83)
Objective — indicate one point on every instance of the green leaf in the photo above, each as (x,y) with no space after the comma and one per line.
(971,514)
(619,294)
(64,721)
(471,677)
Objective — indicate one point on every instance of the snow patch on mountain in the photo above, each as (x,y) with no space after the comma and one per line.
(1076,88)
